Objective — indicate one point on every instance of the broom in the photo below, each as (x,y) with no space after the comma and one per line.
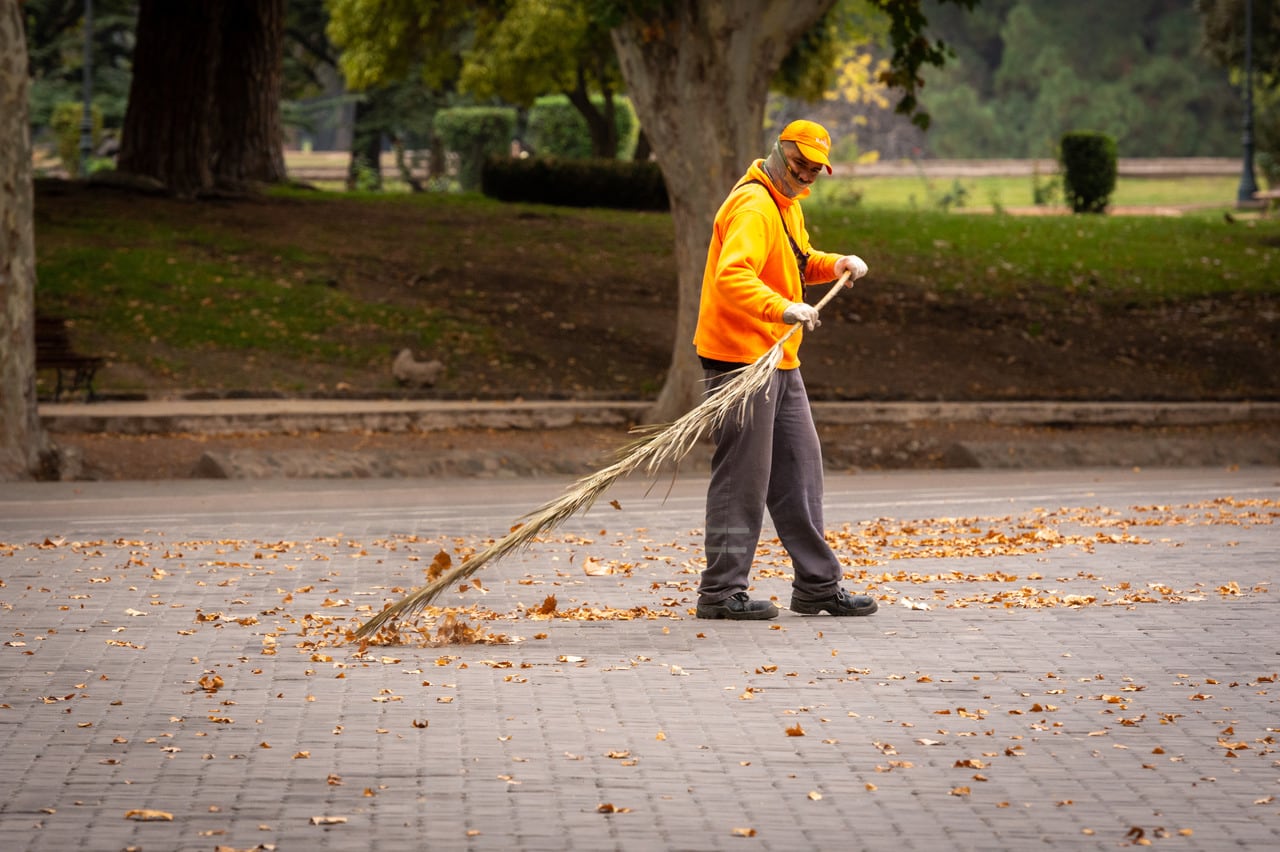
(661,444)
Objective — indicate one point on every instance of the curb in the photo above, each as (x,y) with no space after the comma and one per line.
(237,416)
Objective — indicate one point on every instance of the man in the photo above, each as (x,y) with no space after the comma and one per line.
(757,266)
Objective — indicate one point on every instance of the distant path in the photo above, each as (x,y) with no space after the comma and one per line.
(332,165)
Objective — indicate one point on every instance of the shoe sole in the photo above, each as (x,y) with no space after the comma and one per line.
(801,609)
(730,615)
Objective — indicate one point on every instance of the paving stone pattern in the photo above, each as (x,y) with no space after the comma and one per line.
(137,673)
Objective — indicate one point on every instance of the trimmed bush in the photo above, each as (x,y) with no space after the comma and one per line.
(474,134)
(557,129)
(65,123)
(1088,170)
(622,185)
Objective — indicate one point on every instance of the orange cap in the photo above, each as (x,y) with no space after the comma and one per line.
(812,138)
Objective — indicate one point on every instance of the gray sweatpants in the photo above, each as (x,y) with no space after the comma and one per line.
(769,458)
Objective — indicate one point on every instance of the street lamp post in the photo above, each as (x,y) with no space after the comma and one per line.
(86,117)
(1248,185)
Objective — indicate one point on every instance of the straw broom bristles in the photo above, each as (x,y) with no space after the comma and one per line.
(661,444)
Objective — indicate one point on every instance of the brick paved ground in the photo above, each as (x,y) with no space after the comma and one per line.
(1097,670)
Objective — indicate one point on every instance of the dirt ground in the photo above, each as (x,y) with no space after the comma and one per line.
(577,451)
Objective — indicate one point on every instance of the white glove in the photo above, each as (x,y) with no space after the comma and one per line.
(799,312)
(856,266)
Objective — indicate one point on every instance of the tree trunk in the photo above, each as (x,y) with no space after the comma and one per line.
(167,133)
(21,437)
(364,170)
(602,124)
(204,103)
(248,142)
(699,82)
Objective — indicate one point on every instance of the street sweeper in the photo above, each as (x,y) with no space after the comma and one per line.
(767,452)
(768,456)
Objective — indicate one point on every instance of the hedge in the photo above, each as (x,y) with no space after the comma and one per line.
(623,185)
(474,134)
(557,129)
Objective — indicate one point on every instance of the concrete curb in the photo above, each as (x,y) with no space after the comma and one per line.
(235,416)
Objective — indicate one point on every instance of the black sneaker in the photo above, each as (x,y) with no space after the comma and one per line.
(738,607)
(841,603)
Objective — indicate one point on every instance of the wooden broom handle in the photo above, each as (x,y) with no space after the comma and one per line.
(822,303)
(835,288)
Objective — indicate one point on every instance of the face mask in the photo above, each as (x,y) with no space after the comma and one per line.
(779,170)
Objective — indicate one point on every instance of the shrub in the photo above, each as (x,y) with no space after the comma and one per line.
(65,123)
(624,185)
(475,133)
(557,129)
(1088,170)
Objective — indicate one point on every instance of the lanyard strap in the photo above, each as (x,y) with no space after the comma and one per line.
(802,259)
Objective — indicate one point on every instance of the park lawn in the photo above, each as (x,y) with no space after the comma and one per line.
(1115,259)
(997,192)
(301,290)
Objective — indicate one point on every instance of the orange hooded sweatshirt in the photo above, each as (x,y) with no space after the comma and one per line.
(751,276)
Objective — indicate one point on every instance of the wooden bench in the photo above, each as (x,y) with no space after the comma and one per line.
(55,352)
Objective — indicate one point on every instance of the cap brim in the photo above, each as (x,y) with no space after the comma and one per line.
(814,155)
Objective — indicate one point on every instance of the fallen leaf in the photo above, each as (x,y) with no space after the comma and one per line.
(148,815)
(328,820)
(441,563)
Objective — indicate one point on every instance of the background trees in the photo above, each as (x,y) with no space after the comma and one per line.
(1223,39)
(206,81)
(1026,71)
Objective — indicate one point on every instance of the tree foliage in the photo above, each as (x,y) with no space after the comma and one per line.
(1222,36)
(544,46)
(381,41)
(55,42)
(1027,71)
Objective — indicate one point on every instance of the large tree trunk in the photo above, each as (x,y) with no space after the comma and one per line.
(167,133)
(699,82)
(248,143)
(21,438)
(204,103)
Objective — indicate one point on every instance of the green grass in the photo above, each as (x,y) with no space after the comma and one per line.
(166,295)
(931,193)
(1116,258)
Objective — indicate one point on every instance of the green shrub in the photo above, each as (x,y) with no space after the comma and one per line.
(557,129)
(65,123)
(623,185)
(1088,170)
(474,134)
